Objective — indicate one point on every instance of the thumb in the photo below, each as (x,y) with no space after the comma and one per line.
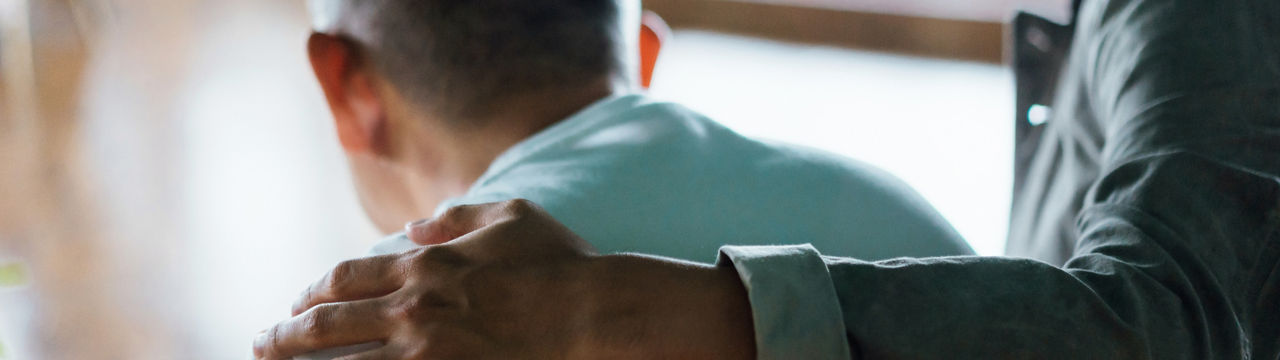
(456,222)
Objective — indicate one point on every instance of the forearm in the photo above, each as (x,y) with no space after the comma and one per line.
(650,308)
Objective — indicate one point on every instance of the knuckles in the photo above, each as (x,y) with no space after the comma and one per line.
(421,306)
(514,208)
(407,309)
(317,323)
(340,276)
(434,260)
(519,208)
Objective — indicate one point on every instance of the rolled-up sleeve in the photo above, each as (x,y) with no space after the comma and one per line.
(793,300)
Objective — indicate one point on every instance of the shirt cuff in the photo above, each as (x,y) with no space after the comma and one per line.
(793,301)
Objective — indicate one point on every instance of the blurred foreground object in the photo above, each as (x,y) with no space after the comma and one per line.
(46,217)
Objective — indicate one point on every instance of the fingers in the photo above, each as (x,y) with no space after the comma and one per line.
(429,232)
(462,220)
(354,280)
(325,326)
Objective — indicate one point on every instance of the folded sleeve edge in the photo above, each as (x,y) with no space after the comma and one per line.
(794,306)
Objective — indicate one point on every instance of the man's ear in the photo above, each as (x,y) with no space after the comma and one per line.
(653,32)
(358,109)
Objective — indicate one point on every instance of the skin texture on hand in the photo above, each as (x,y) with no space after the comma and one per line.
(508,281)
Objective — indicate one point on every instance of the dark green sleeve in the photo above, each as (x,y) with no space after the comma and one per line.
(1179,261)
(1177,241)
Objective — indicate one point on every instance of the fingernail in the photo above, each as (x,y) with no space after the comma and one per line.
(413,224)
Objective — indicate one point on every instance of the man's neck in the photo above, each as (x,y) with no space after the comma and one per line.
(467,151)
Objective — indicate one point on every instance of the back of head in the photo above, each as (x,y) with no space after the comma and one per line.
(460,58)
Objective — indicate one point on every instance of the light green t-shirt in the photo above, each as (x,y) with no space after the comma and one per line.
(631,174)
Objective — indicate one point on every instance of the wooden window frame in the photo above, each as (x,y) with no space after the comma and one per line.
(960,39)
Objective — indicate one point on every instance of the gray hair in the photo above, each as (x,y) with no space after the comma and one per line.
(456,58)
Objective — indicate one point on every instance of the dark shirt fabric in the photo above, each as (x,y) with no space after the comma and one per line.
(1158,174)
(1056,162)
(1151,216)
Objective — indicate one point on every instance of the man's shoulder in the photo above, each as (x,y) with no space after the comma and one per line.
(818,165)
(652,139)
(683,134)
(660,171)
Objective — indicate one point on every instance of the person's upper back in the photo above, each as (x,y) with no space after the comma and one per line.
(633,175)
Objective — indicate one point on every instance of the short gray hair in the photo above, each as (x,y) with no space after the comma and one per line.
(457,57)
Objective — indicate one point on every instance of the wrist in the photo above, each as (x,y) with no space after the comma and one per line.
(643,307)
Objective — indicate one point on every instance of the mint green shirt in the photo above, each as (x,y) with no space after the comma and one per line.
(1176,243)
(631,174)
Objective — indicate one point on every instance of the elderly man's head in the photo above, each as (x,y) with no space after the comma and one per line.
(459,59)
(426,93)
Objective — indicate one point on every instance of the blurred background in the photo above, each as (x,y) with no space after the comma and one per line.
(170,180)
